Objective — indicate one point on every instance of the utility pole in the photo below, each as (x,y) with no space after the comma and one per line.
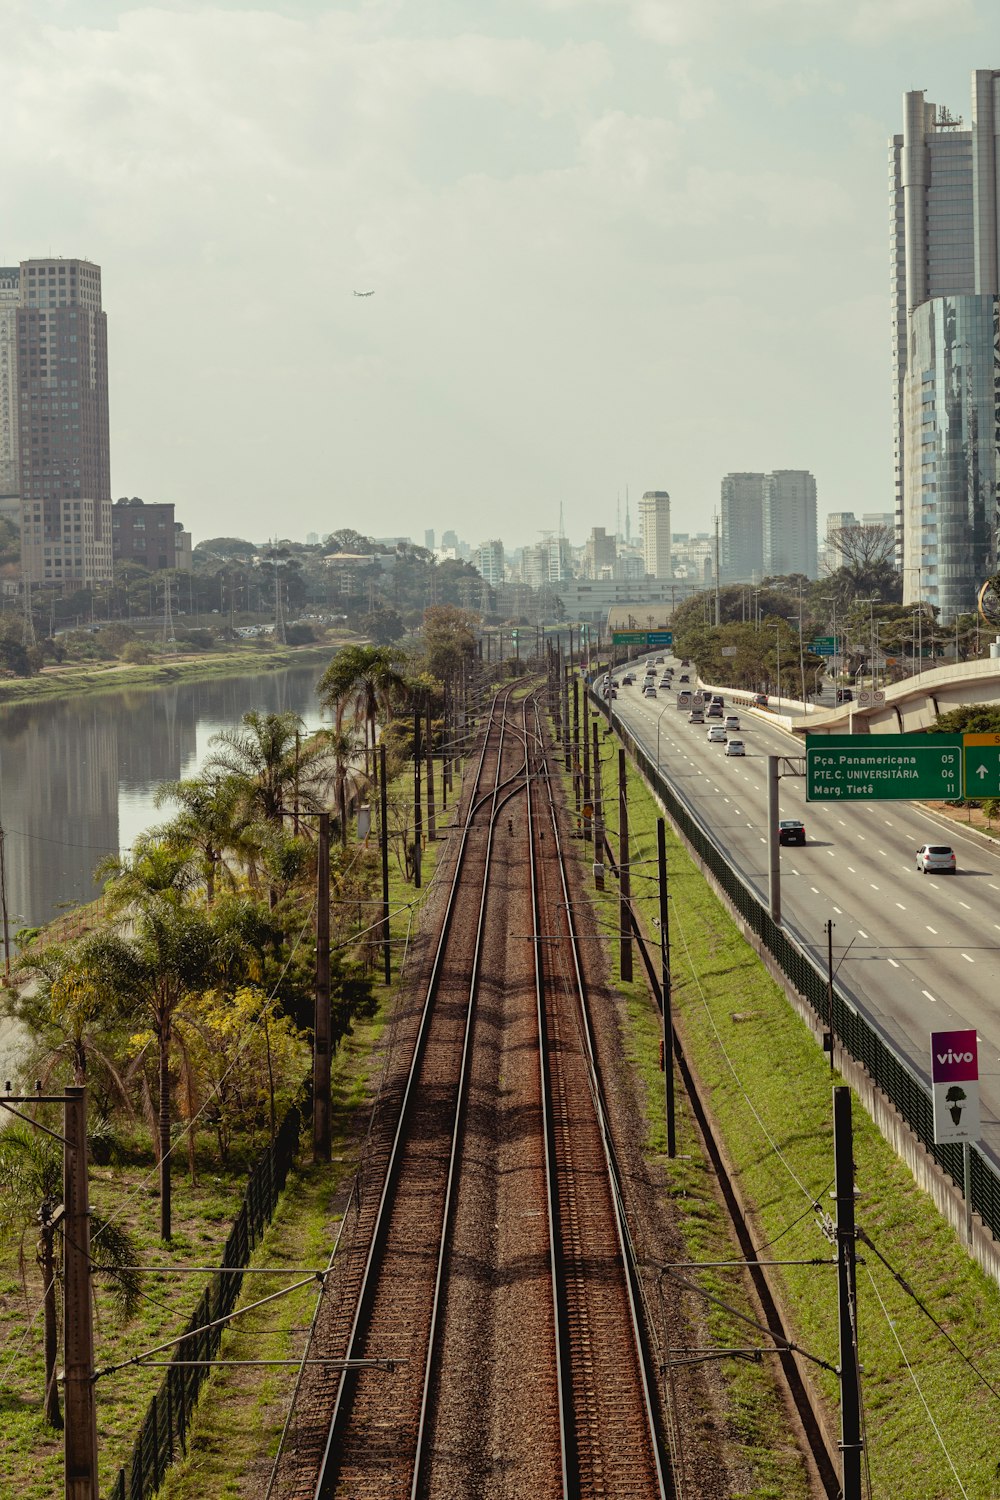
(78,1320)
(431,821)
(666,989)
(851,1444)
(587,817)
(576,741)
(564,695)
(598,798)
(418,813)
(322,1035)
(384,839)
(828,1038)
(624,873)
(3,906)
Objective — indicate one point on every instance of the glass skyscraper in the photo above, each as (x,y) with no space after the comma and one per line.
(946,346)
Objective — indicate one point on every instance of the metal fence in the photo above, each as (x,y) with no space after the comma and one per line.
(163,1434)
(890,1072)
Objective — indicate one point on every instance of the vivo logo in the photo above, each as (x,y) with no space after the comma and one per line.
(955,1057)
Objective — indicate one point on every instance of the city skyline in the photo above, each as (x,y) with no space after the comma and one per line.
(533,202)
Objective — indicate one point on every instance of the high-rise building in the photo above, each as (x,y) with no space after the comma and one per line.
(600,553)
(429,540)
(490,561)
(62,423)
(741,543)
(789,521)
(654,524)
(945,227)
(10,296)
(836,521)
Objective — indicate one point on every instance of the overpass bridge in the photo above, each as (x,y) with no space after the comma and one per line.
(911,705)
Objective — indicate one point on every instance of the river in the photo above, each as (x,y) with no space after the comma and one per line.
(78,775)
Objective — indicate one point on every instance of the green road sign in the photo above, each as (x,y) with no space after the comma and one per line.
(981,765)
(883,767)
(642,637)
(824,645)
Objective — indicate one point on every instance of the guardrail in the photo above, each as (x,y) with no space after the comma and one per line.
(890,1072)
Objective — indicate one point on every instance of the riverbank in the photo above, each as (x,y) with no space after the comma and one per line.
(90,677)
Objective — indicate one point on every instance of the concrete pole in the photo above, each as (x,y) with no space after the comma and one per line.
(624,870)
(773,845)
(322,1032)
(850,1386)
(80,1440)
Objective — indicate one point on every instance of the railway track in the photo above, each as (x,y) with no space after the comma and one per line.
(493,1266)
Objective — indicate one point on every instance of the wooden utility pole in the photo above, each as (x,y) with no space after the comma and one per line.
(418,812)
(80,1443)
(851,1443)
(431,820)
(666,989)
(624,874)
(323,1025)
(384,839)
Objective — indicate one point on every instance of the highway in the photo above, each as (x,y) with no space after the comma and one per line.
(914,952)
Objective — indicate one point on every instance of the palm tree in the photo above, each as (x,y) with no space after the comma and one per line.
(365,678)
(213,822)
(271,766)
(166,953)
(347,749)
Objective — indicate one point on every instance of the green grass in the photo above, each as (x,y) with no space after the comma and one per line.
(768,1087)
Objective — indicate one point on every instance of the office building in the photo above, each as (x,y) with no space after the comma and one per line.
(429,540)
(10,474)
(489,560)
(741,540)
(945,268)
(62,423)
(654,525)
(789,523)
(145,534)
(600,553)
(837,521)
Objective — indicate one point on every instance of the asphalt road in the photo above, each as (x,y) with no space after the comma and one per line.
(915,952)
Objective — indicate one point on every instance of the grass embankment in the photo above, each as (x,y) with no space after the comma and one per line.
(241,1410)
(768,1088)
(95,676)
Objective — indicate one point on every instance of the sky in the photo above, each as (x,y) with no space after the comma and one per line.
(613,244)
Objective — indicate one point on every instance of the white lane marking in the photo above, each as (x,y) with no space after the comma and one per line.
(933,885)
(838,911)
(993,887)
(934,929)
(831,854)
(814,890)
(762,838)
(886,822)
(930,997)
(881,851)
(862,934)
(873,885)
(861,837)
(900,905)
(795,872)
(895,965)
(966,905)
(852,869)
(749,825)
(968,960)
(841,822)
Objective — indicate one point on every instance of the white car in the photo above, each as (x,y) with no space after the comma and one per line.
(735,747)
(732,721)
(716,735)
(649,692)
(936,857)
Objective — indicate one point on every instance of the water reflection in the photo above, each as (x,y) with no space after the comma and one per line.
(77,777)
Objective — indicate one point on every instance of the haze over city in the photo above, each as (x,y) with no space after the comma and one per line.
(638,245)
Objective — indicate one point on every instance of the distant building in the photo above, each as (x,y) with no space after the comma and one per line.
(654,523)
(837,520)
(789,517)
(490,562)
(741,540)
(10,469)
(600,554)
(429,540)
(63,446)
(146,534)
(878,518)
(449,539)
(312,538)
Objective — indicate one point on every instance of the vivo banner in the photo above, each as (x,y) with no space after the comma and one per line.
(955,1083)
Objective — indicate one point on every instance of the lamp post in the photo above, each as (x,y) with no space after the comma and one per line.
(658,718)
(777,653)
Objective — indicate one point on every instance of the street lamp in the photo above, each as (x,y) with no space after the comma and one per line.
(658,718)
(777,652)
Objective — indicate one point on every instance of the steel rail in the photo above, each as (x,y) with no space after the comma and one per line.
(567,1445)
(667,1490)
(369,1276)
(458,1126)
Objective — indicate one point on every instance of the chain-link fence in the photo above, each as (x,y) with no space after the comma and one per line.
(163,1434)
(891,1072)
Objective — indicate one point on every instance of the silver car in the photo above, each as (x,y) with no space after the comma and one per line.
(936,857)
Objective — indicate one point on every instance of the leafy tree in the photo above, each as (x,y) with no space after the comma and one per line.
(449,639)
(274,769)
(970,718)
(384,626)
(365,678)
(214,824)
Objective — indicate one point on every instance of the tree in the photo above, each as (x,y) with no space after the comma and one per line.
(365,678)
(384,626)
(971,718)
(215,821)
(449,639)
(274,770)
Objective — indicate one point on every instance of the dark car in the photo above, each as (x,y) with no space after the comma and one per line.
(844,695)
(685,677)
(791,831)
(760,700)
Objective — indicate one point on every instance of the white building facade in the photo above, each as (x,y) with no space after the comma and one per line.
(741,541)
(789,523)
(654,523)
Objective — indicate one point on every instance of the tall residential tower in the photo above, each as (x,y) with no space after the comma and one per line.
(654,523)
(742,548)
(945,227)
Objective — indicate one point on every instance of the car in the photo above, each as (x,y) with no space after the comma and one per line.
(735,747)
(844,695)
(760,700)
(685,662)
(718,698)
(714,711)
(649,692)
(732,721)
(696,716)
(628,679)
(716,735)
(937,857)
(685,677)
(658,662)
(791,831)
